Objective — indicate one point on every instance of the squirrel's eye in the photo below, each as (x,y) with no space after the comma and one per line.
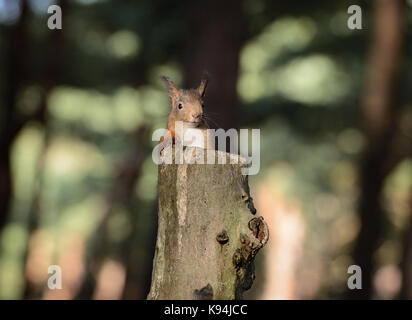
(180,106)
(203,105)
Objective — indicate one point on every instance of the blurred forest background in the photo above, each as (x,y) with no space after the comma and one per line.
(79,105)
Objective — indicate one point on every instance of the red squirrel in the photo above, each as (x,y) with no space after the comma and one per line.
(187,107)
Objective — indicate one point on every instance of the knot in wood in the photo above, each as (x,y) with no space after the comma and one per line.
(222,237)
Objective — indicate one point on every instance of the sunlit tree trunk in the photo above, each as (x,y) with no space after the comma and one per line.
(287,233)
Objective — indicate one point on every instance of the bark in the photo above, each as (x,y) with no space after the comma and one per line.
(207,234)
(379,114)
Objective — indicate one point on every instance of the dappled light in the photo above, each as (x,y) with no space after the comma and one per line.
(78,184)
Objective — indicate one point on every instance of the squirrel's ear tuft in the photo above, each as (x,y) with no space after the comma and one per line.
(203,84)
(171,87)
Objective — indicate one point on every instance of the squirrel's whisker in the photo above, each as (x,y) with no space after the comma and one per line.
(210,119)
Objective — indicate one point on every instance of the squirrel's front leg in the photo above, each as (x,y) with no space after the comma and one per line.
(166,140)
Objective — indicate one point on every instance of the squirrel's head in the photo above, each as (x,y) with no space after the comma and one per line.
(186,104)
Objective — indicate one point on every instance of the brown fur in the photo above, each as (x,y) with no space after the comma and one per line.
(191,101)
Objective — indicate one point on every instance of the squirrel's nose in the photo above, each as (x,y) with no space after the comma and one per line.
(196,116)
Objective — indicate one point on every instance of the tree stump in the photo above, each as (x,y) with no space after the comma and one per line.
(208,234)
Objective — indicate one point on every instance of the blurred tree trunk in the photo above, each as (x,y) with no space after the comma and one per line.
(379,114)
(16,45)
(207,236)
(119,195)
(138,280)
(287,233)
(48,79)
(216,32)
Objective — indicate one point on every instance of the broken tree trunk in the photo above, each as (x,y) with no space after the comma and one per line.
(208,235)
